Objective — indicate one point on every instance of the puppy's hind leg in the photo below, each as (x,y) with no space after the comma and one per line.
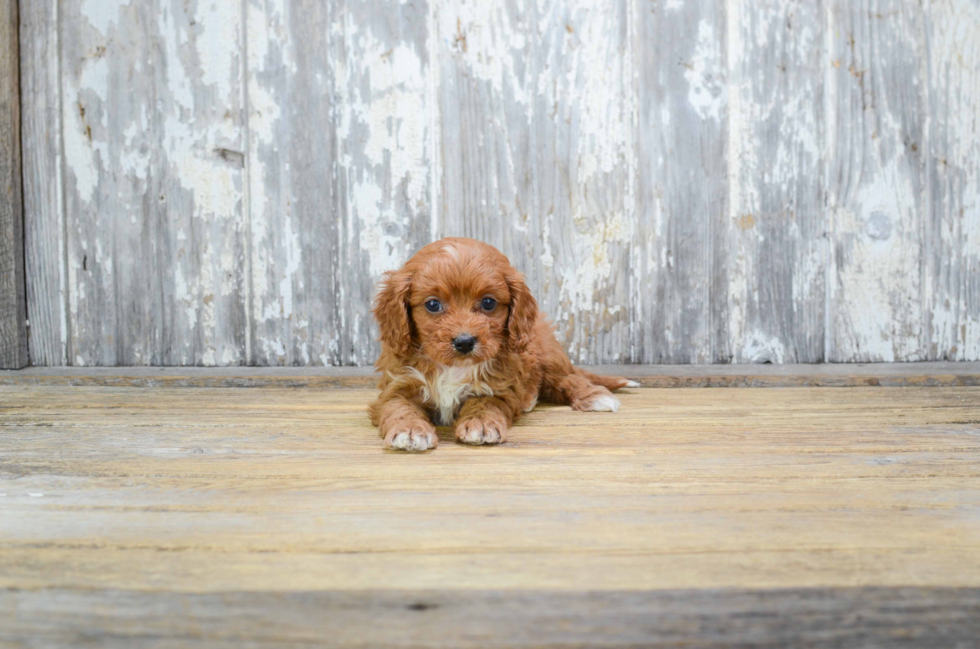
(608,382)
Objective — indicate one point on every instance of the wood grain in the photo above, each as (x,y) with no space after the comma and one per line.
(44,215)
(900,618)
(122,506)
(776,221)
(153,143)
(535,113)
(13,302)
(877,180)
(680,270)
(339,175)
(951,236)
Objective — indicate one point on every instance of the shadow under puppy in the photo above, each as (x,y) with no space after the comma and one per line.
(462,340)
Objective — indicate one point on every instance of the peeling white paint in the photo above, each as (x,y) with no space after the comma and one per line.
(392,114)
(82,110)
(760,348)
(554,145)
(879,314)
(102,14)
(705,83)
(219,32)
(477,32)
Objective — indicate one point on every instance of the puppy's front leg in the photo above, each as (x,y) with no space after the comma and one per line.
(483,420)
(405,426)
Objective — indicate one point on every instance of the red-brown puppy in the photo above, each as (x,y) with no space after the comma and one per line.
(462,341)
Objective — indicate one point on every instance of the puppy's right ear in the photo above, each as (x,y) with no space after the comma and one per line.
(391,309)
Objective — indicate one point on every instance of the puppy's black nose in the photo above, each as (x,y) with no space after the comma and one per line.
(464,343)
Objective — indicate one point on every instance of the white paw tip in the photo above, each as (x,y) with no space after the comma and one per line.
(605,403)
(416,442)
(477,436)
(632,384)
(401,441)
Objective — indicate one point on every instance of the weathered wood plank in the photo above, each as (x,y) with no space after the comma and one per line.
(340,170)
(44,216)
(154,150)
(294,209)
(650,376)
(535,112)
(290,490)
(13,301)
(180,516)
(900,618)
(951,238)
(777,218)
(876,179)
(679,275)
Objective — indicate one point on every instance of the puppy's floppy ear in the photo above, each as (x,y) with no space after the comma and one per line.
(523,312)
(391,309)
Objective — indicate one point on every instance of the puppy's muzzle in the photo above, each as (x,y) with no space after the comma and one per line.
(464,343)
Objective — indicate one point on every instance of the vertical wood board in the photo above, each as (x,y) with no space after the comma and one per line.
(776,221)
(44,216)
(339,177)
(680,272)
(536,108)
(876,180)
(951,240)
(13,304)
(153,180)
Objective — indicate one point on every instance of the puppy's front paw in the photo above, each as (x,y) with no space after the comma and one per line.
(484,430)
(416,436)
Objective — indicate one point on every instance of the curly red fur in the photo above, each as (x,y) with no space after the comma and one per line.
(516,359)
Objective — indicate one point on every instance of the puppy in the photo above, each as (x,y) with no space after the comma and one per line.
(463,343)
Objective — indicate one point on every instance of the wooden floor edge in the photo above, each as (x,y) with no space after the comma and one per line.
(649,376)
(904,617)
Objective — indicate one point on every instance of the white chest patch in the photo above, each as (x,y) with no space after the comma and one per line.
(450,387)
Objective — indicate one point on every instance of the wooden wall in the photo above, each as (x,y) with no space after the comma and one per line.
(13,303)
(682,181)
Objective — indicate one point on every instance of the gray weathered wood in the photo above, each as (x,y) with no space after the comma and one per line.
(876,179)
(951,237)
(536,111)
(776,219)
(44,216)
(13,303)
(899,618)
(339,169)
(154,156)
(680,270)
(681,182)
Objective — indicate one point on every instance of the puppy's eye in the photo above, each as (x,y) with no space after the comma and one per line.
(433,306)
(489,304)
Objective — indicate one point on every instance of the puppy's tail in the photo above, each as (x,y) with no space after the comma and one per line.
(608,382)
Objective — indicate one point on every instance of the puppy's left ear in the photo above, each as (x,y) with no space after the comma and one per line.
(391,309)
(523,312)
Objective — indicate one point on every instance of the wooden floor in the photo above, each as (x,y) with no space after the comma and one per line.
(232,517)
